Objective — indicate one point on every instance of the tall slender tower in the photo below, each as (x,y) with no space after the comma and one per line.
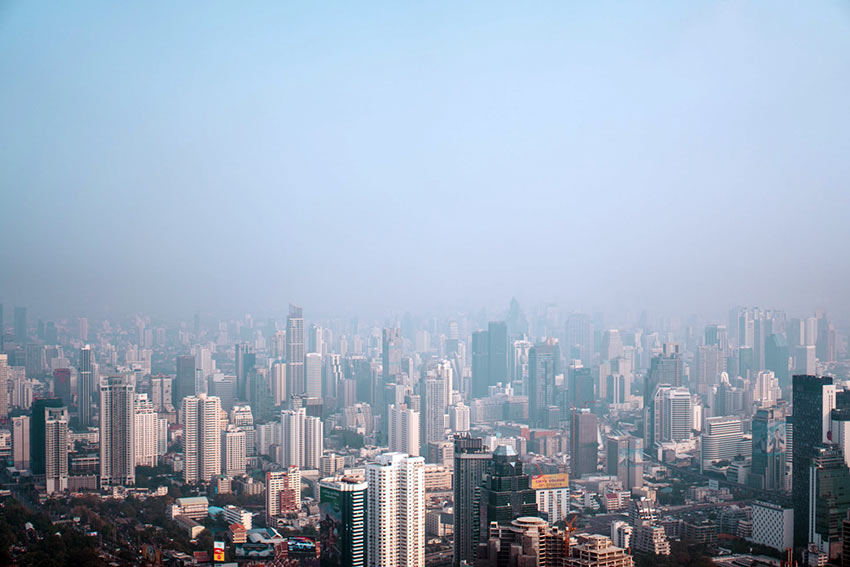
(117,431)
(295,351)
(201,438)
(814,400)
(56,449)
(184,381)
(396,510)
(146,432)
(4,389)
(471,459)
(342,501)
(85,386)
(543,361)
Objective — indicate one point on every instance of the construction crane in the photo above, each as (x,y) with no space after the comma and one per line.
(569,528)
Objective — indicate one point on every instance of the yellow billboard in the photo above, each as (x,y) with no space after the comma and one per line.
(545,481)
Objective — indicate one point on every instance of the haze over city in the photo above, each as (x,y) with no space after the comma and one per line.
(376,159)
(381,284)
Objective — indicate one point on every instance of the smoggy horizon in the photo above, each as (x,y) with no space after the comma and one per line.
(376,160)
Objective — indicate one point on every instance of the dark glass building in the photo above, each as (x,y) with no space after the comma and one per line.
(471,460)
(813,398)
(506,492)
(37,433)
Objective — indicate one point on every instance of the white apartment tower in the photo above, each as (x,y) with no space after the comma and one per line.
(117,436)
(233,452)
(56,449)
(147,432)
(403,428)
(396,511)
(201,437)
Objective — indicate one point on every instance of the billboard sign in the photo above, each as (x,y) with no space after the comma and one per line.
(546,481)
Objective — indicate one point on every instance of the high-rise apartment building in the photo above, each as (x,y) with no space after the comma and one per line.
(342,502)
(117,431)
(56,449)
(234,452)
(814,400)
(146,432)
(471,459)
(21,442)
(435,410)
(283,492)
(301,439)
(313,374)
(396,511)
(295,351)
(201,438)
(4,388)
(161,395)
(403,430)
(85,386)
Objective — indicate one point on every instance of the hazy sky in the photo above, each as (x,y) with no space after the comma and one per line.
(375,157)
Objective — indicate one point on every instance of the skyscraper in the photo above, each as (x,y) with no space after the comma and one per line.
(625,459)
(117,431)
(146,432)
(246,359)
(435,410)
(391,354)
(313,374)
(233,452)
(201,438)
(37,433)
(506,492)
(829,498)
(667,368)
(768,468)
(301,439)
(85,386)
(673,415)
(403,429)
(56,449)
(342,531)
(161,396)
(20,325)
(4,388)
(471,459)
(584,432)
(543,362)
(480,364)
(295,351)
(579,339)
(61,385)
(21,442)
(396,510)
(184,381)
(497,352)
(814,399)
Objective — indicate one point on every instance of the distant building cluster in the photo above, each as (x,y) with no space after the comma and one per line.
(550,439)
